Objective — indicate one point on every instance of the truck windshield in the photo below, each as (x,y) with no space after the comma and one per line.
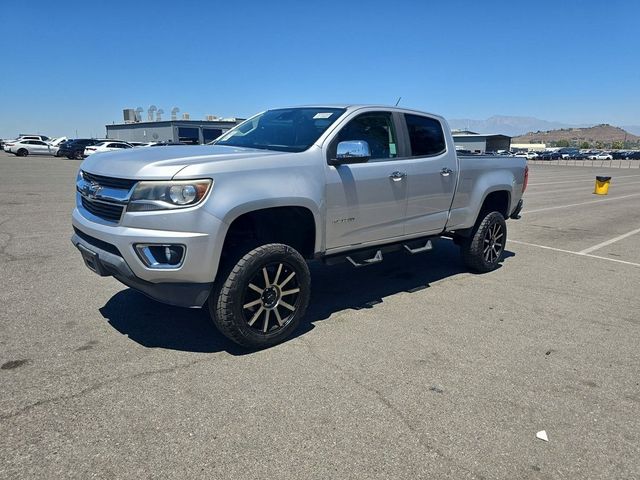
(285,130)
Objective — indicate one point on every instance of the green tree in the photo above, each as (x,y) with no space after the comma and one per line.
(562,143)
(617,145)
(584,145)
(599,145)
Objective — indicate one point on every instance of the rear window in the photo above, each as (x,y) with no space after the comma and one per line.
(426,136)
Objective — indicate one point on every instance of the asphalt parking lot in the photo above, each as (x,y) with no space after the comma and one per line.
(409,369)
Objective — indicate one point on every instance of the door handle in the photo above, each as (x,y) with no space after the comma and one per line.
(397,176)
(445,172)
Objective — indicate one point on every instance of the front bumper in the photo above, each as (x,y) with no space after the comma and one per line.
(110,263)
(202,249)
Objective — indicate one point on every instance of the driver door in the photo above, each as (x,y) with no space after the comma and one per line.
(366,202)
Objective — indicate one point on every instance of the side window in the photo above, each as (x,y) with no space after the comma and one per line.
(375,128)
(426,136)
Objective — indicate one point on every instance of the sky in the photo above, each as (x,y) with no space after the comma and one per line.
(70,67)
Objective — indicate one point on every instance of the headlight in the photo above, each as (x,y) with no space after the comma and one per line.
(152,195)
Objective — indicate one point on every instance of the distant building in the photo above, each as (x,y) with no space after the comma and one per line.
(480,142)
(529,147)
(174,130)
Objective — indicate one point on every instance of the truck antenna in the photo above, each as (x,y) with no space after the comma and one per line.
(399,98)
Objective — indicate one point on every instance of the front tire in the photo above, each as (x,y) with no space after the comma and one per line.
(259,301)
(79,155)
(22,152)
(484,250)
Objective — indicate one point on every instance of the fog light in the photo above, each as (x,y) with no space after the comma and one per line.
(160,256)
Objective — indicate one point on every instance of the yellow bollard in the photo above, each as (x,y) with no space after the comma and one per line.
(602,185)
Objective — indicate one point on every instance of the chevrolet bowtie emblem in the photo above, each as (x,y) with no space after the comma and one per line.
(91,190)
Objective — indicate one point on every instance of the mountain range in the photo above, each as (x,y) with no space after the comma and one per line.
(515,126)
(598,136)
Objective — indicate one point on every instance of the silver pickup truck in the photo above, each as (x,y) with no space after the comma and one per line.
(231,225)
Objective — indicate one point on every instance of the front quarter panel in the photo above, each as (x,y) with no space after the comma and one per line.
(246,185)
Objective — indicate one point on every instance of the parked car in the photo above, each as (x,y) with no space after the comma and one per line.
(601,156)
(235,222)
(567,152)
(141,144)
(75,148)
(105,147)
(621,154)
(550,156)
(43,138)
(527,155)
(55,144)
(22,148)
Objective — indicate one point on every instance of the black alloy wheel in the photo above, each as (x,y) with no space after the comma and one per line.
(493,243)
(271,298)
(259,299)
(483,251)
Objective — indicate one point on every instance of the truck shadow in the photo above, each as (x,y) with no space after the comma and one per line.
(334,288)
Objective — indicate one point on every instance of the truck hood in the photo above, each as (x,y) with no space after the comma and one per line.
(163,163)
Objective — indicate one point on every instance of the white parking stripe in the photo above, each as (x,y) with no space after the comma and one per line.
(592,179)
(579,188)
(556,178)
(574,253)
(578,204)
(609,242)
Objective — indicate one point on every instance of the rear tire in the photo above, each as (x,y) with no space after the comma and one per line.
(484,250)
(258,301)
(22,152)
(78,155)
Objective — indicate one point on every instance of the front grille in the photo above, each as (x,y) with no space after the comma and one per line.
(96,242)
(110,182)
(107,211)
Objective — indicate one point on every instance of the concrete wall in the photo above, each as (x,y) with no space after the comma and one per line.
(473,144)
(532,147)
(141,133)
(498,143)
(165,131)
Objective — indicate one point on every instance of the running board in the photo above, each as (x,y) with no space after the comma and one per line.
(377,258)
(425,248)
(372,255)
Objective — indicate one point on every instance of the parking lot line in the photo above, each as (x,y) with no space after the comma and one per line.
(581,203)
(609,242)
(579,188)
(580,254)
(591,179)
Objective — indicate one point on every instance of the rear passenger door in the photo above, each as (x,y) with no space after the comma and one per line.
(431,175)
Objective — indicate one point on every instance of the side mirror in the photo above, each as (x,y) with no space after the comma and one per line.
(352,151)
